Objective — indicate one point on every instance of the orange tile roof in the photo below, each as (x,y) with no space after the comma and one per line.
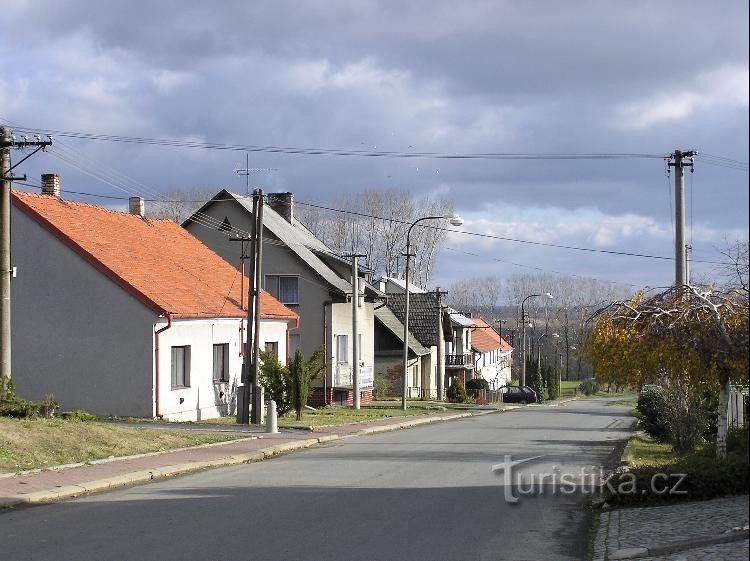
(157,261)
(485,339)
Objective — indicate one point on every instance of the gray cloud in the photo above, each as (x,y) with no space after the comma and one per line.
(426,76)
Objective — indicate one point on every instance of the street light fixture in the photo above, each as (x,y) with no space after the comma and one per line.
(453,220)
(523,334)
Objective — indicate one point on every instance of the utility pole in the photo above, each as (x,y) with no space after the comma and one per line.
(680,160)
(441,346)
(243,398)
(257,395)
(355,331)
(6,272)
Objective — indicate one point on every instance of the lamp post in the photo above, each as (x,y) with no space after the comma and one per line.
(454,220)
(523,334)
(558,366)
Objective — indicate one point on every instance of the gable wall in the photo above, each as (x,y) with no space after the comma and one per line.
(278,260)
(74,332)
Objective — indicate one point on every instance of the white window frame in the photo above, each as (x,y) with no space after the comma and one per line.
(180,380)
(224,374)
(342,348)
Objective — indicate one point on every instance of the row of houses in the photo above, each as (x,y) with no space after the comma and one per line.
(121,314)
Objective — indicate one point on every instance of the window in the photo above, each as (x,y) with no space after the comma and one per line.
(342,348)
(284,288)
(221,362)
(273,348)
(180,367)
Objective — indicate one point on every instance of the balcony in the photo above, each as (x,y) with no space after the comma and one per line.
(342,376)
(459,361)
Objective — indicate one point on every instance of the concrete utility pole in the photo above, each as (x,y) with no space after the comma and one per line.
(440,375)
(6,271)
(680,160)
(355,332)
(257,393)
(244,397)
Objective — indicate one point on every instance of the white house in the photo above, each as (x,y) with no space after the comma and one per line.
(492,354)
(119,314)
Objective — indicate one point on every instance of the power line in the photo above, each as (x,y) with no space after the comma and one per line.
(209,221)
(312,151)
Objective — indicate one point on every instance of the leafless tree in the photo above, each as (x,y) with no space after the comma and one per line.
(375,223)
(178,205)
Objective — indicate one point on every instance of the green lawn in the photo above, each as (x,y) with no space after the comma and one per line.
(648,452)
(327,416)
(39,443)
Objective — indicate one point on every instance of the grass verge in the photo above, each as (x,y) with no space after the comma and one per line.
(656,473)
(27,444)
(334,416)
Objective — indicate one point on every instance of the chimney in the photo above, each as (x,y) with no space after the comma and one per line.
(136,206)
(51,184)
(283,203)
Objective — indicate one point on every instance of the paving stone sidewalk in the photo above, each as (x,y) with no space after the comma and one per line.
(42,486)
(714,530)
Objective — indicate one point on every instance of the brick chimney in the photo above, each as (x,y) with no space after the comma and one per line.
(283,203)
(137,206)
(51,184)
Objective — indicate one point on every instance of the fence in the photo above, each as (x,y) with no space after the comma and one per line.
(737,413)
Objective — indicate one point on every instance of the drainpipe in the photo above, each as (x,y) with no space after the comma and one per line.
(156,362)
(325,350)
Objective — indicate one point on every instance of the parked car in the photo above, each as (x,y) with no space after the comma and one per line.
(518,394)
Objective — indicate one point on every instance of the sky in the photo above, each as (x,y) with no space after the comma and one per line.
(470,77)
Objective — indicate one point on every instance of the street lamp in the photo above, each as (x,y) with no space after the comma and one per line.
(453,220)
(523,334)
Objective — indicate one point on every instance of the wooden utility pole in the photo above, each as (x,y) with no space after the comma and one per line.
(6,271)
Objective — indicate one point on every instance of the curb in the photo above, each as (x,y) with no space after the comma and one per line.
(636,552)
(146,476)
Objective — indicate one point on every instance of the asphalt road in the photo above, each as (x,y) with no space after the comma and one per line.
(428,493)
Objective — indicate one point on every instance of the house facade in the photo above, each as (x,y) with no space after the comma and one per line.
(307,277)
(389,356)
(493,356)
(459,359)
(122,315)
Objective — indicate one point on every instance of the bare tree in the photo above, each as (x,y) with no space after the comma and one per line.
(375,223)
(179,205)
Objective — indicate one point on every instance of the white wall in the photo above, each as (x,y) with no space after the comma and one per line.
(340,323)
(203,398)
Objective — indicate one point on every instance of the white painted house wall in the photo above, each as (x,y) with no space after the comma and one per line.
(203,398)
(340,323)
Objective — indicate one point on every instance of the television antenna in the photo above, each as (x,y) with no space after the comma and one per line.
(247,171)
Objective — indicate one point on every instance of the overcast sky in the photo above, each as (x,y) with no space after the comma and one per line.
(448,77)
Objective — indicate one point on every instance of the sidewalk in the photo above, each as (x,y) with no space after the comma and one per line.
(702,530)
(63,482)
